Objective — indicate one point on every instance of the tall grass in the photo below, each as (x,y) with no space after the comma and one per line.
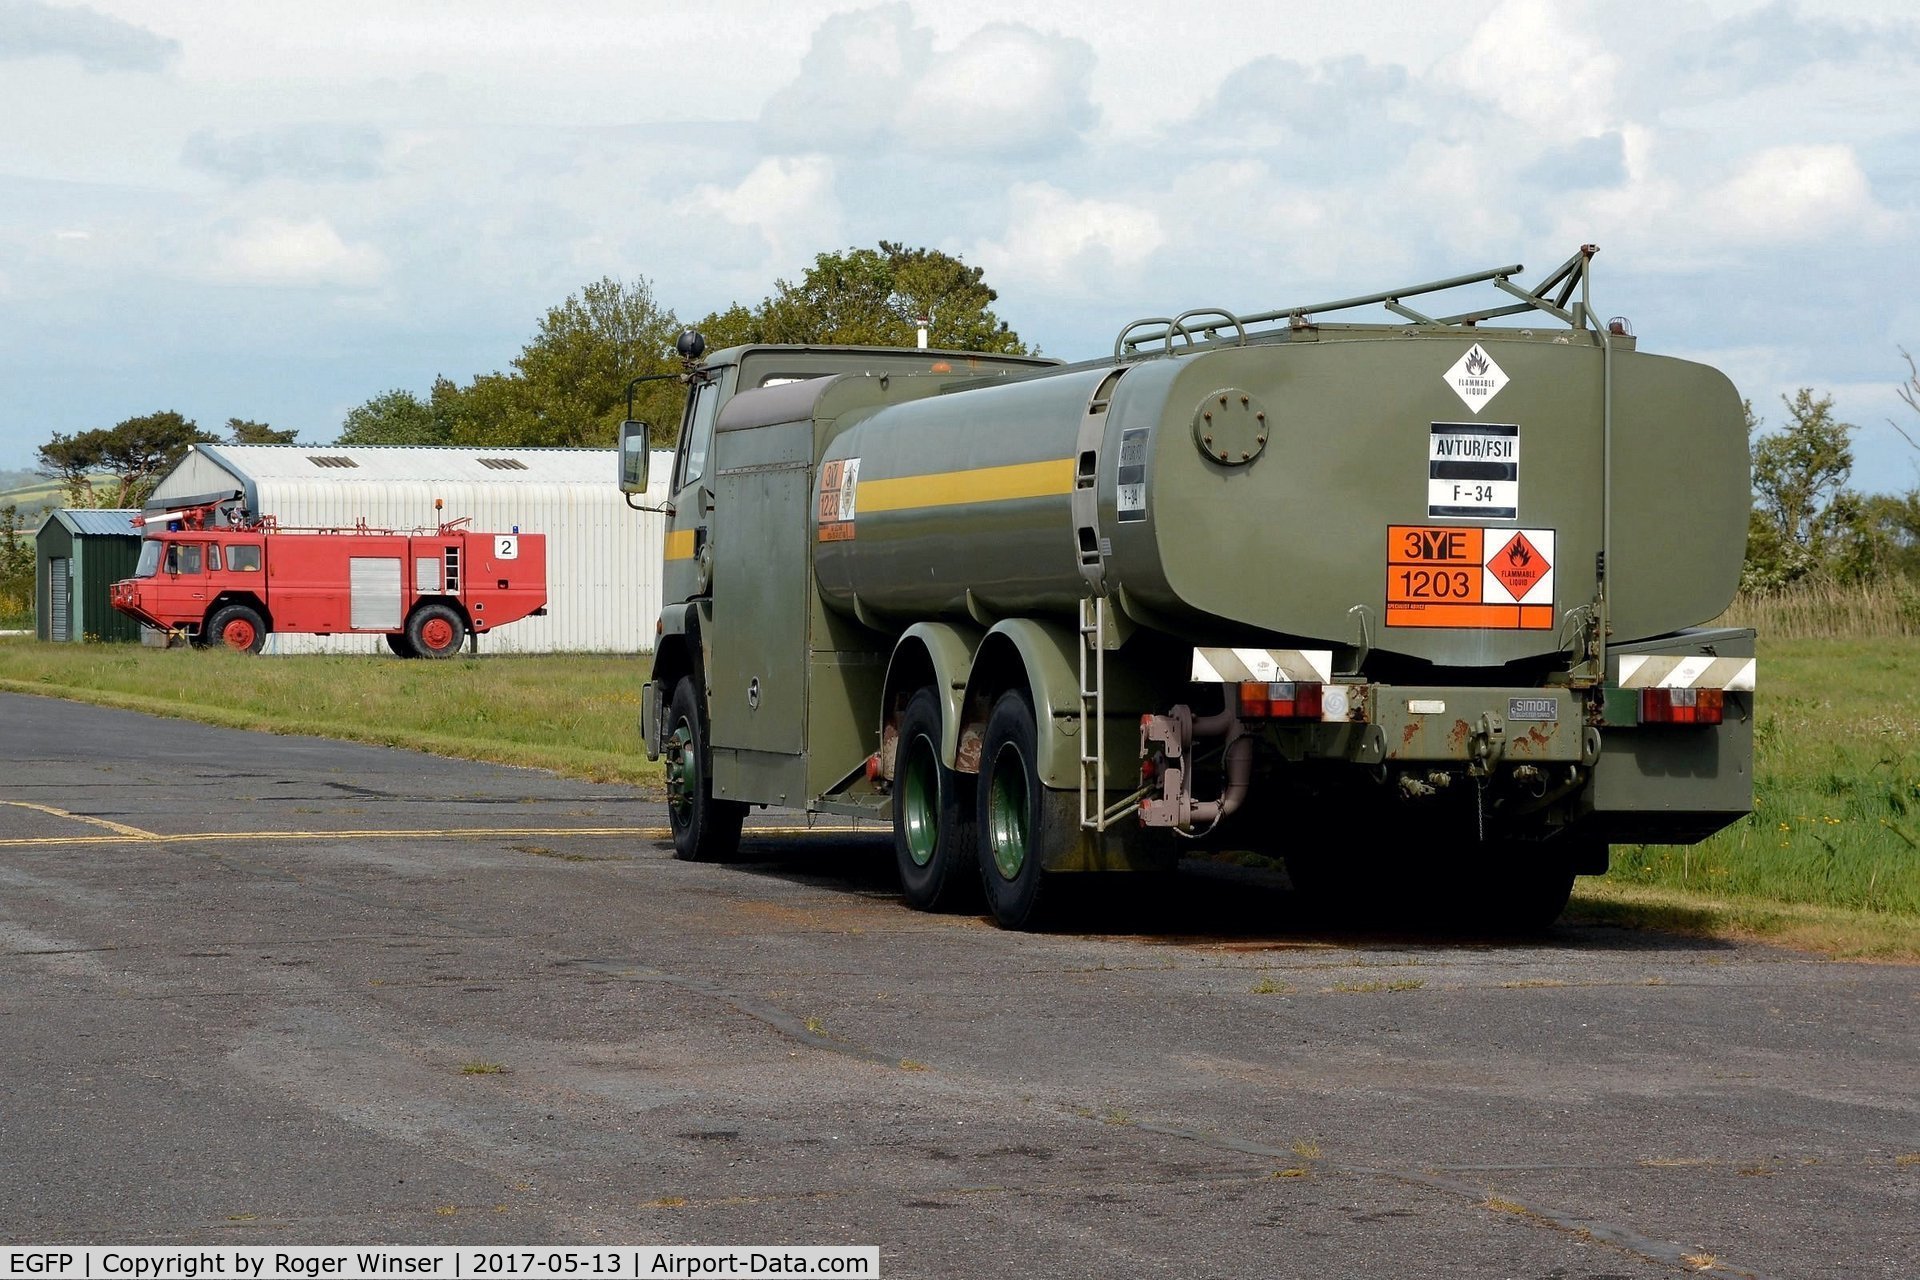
(1829,610)
(1836,818)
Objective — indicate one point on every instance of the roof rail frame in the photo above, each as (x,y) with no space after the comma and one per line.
(1553,296)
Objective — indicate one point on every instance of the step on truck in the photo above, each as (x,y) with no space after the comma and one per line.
(217,576)
(1421,608)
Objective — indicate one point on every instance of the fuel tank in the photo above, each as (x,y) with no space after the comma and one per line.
(1451,495)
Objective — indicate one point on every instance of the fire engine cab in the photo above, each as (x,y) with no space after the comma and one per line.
(213,574)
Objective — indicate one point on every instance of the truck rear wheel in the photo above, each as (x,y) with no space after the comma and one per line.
(1521,889)
(237,627)
(1021,823)
(704,829)
(436,631)
(933,834)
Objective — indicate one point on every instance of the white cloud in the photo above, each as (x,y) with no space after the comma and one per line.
(1540,64)
(872,82)
(1788,194)
(1055,242)
(851,82)
(29,29)
(789,201)
(1005,89)
(275,251)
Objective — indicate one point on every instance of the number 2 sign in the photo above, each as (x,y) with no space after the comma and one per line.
(506,546)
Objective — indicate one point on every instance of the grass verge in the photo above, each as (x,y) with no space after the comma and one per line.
(1842,932)
(575,714)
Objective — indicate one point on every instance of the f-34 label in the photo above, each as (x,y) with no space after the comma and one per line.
(1473,471)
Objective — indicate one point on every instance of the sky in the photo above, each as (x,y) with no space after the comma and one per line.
(276,210)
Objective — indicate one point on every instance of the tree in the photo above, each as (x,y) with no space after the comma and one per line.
(1804,518)
(573,375)
(1893,527)
(568,385)
(734,327)
(72,460)
(400,417)
(881,296)
(16,568)
(242,431)
(135,452)
(1909,391)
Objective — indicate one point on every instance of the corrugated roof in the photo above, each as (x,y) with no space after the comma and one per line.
(96,521)
(414,462)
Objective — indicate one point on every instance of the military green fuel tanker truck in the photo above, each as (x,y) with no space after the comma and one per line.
(1403,603)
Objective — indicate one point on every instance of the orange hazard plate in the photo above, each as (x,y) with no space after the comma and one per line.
(1449,576)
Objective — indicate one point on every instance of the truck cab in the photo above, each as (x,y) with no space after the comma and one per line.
(188,581)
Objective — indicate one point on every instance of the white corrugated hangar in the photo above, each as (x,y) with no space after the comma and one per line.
(603,558)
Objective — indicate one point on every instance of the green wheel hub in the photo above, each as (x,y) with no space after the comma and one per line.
(683,771)
(1007,810)
(920,801)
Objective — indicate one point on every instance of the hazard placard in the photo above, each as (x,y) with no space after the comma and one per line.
(837,505)
(1499,579)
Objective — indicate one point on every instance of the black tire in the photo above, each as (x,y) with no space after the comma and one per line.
(1021,824)
(1524,888)
(397,641)
(704,829)
(436,631)
(1501,888)
(933,838)
(237,627)
(1338,889)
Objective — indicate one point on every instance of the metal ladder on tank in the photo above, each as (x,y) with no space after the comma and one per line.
(1093,714)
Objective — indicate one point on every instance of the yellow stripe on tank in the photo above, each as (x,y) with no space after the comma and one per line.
(951,488)
(679,545)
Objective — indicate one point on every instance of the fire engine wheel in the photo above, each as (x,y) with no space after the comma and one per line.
(397,641)
(436,631)
(704,829)
(236,627)
(933,834)
(1020,822)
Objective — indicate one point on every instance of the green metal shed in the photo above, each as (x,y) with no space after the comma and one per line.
(80,555)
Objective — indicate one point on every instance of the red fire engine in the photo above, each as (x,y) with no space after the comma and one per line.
(214,575)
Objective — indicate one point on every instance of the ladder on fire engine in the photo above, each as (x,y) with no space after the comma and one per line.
(1093,713)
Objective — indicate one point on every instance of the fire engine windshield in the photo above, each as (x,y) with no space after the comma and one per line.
(150,552)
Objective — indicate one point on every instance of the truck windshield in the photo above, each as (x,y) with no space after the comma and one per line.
(149,560)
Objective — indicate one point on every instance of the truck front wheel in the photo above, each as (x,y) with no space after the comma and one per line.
(436,631)
(237,627)
(704,829)
(933,840)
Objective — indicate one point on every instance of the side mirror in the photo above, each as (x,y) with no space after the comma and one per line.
(635,453)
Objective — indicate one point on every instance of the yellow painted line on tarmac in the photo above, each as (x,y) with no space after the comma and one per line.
(134,836)
(119,827)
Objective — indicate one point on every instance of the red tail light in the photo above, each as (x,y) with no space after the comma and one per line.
(1681,706)
(1285,701)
